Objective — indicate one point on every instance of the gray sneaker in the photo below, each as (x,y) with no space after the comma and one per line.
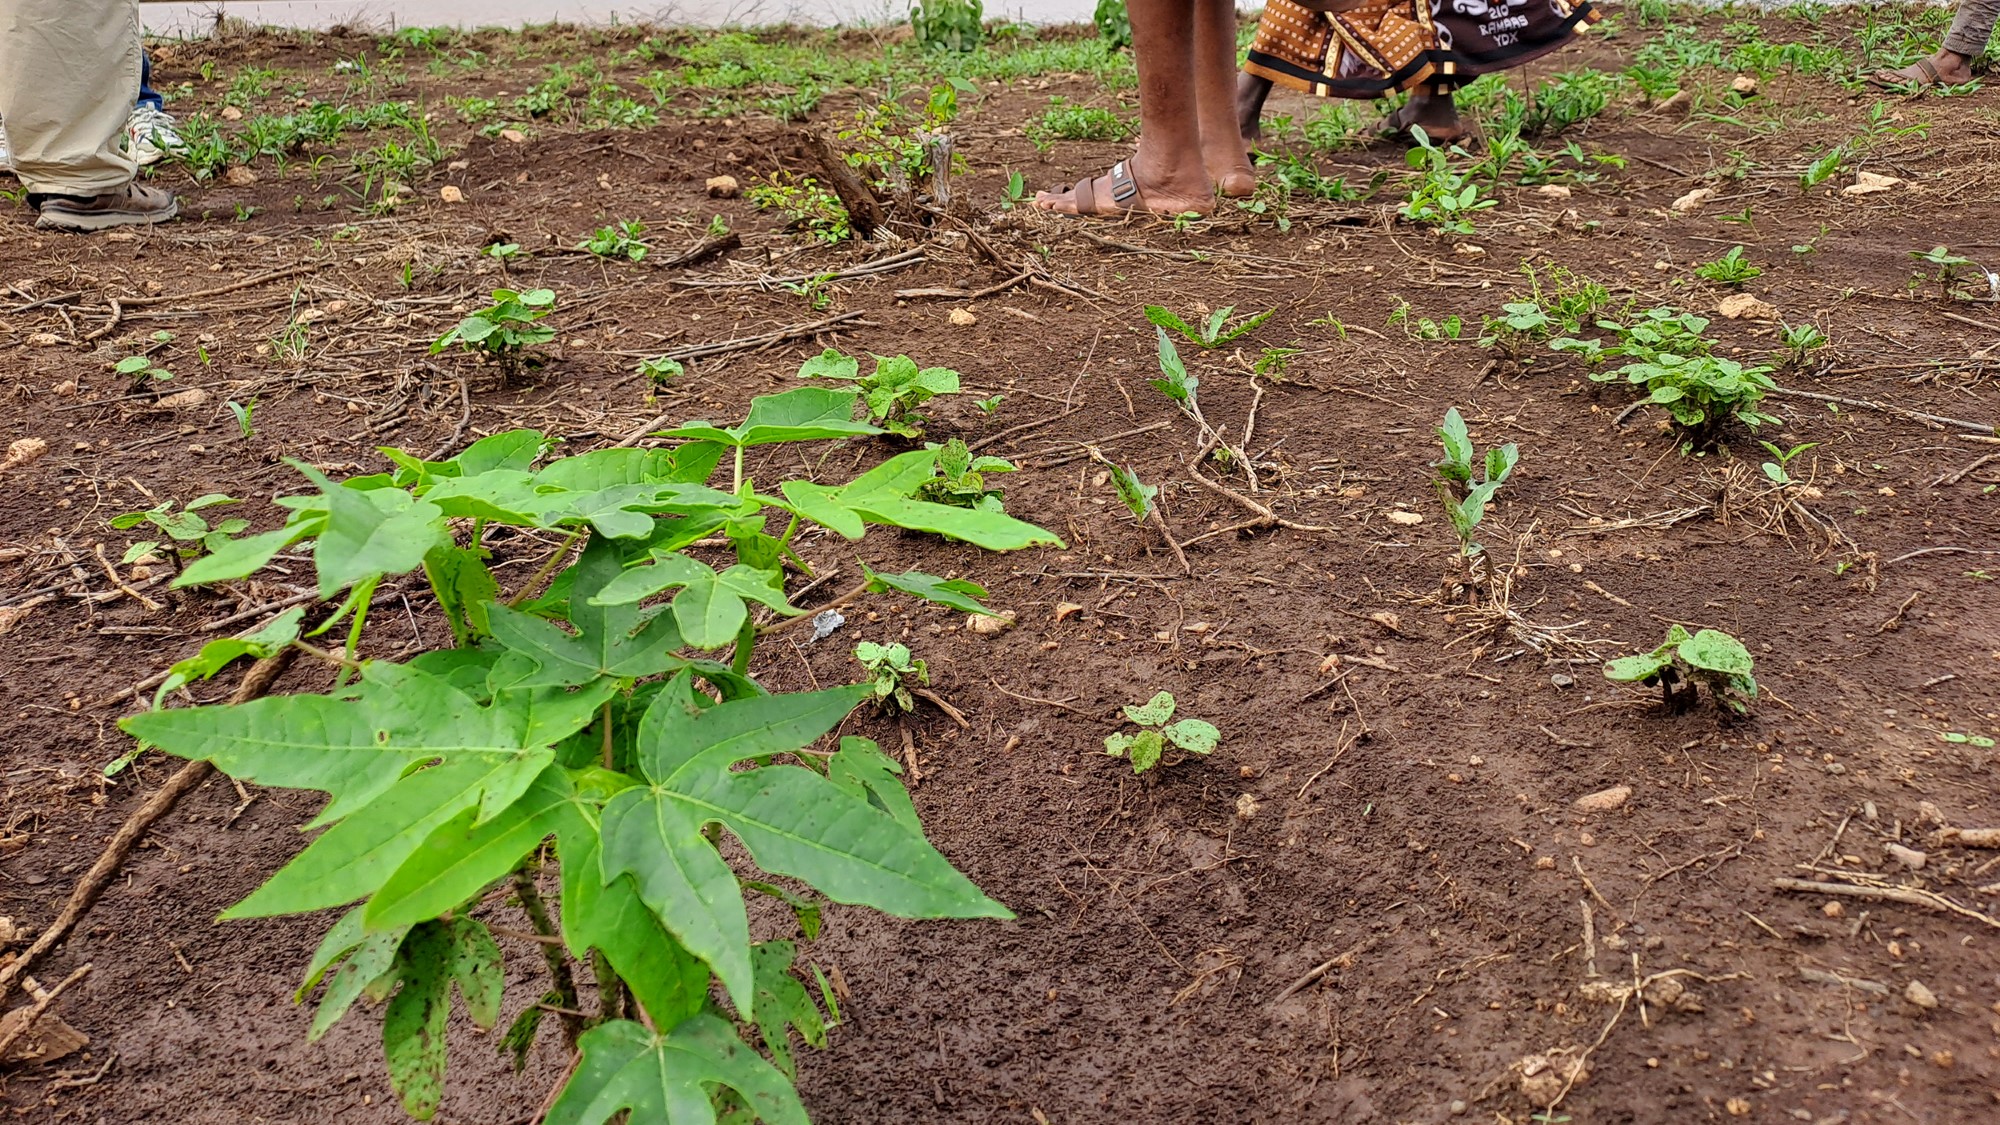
(135,204)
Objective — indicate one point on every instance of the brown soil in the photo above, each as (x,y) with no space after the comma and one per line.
(1404,814)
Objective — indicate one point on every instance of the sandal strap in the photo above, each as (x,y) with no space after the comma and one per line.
(1930,72)
(1123,185)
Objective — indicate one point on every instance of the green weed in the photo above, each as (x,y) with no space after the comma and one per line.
(1157,733)
(1710,657)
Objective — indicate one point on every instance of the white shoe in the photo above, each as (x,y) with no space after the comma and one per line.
(150,134)
(6,154)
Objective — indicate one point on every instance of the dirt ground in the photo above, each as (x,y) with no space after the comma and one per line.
(1377,898)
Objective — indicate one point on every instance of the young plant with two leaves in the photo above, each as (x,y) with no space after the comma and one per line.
(1708,657)
(607,725)
(1464,497)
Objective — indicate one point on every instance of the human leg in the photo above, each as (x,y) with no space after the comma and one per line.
(69,73)
(1251,90)
(1167,172)
(1970,30)
(69,70)
(1223,151)
(1431,107)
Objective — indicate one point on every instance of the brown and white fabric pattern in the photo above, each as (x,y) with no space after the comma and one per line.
(1389,45)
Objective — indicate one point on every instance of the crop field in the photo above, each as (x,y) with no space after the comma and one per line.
(702,603)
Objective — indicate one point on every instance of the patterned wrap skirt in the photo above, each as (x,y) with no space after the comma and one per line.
(1390,45)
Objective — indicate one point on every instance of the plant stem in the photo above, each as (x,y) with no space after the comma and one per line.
(535,582)
(552,952)
(608,755)
(611,990)
(746,639)
(363,595)
(736,480)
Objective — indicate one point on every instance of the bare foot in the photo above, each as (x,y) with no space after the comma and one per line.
(1228,165)
(1436,113)
(1126,190)
(1946,68)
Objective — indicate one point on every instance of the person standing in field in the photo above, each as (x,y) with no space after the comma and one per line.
(1189,143)
(69,78)
(1370,49)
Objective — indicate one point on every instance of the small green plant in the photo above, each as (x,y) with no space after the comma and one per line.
(623,240)
(503,330)
(1272,363)
(1014,192)
(1113,22)
(818,291)
(892,394)
(1963,739)
(989,405)
(1823,168)
(718,226)
(1673,360)
(504,252)
(801,199)
(242,411)
(190,530)
(142,369)
(1442,197)
(661,369)
(892,674)
(1797,343)
(961,478)
(1157,733)
(1710,657)
(1779,470)
(1464,498)
(1135,494)
(948,25)
(1730,269)
(1949,267)
(1212,333)
(1066,121)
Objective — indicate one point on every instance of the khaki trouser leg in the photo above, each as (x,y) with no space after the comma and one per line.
(69,72)
(1972,27)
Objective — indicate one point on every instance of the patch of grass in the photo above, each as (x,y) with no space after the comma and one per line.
(1066,121)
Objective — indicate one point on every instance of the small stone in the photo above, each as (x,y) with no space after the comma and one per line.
(1943,1060)
(963,318)
(231,113)
(1563,679)
(723,187)
(1066,609)
(1688,203)
(1680,102)
(1604,800)
(987,624)
(24,451)
(1406,519)
(451,194)
(1833,910)
(193,396)
(1916,993)
(1545,863)
(1908,858)
(1743,306)
(1247,806)
(1928,813)
(1553,191)
(44,340)
(514,136)
(1744,85)
(1870,183)
(64,389)
(1737,1107)
(1387,620)
(458,166)
(1457,1107)
(239,176)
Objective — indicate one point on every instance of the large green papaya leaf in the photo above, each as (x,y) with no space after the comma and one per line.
(666,1079)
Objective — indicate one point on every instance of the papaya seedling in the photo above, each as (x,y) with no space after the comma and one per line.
(142,370)
(1212,333)
(892,674)
(504,330)
(576,724)
(1709,657)
(961,478)
(1465,499)
(1148,748)
(191,531)
(660,369)
(893,393)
